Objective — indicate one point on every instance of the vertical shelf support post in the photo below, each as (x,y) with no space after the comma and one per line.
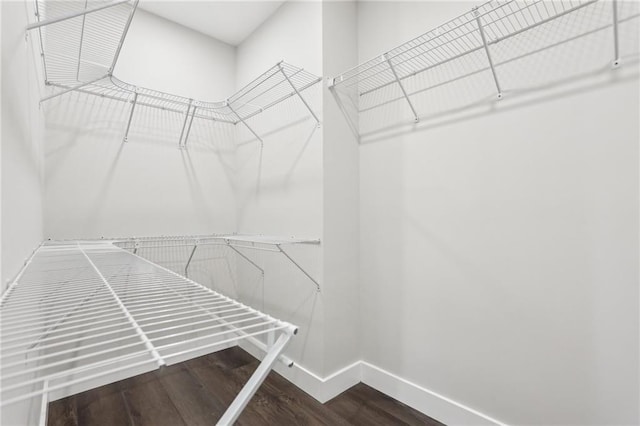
(133,107)
(295,89)
(124,35)
(616,41)
(84,19)
(193,113)
(404,92)
(184,123)
(186,267)
(44,404)
(41,44)
(486,50)
(233,412)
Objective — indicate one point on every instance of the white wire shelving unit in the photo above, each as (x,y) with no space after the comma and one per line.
(80,43)
(482,41)
(80,314)
(236,243)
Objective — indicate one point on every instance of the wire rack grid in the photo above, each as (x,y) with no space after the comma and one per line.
(80,43)
(482,44)
(83,313)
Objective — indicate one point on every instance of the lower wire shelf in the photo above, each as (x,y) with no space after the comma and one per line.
(84,314)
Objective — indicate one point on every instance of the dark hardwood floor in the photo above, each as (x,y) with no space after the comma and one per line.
(198,391)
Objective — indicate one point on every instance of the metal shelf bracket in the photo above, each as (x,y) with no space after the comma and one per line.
(242,121)
(299,267)
(295,89)
(616,41)
(404,92)
(133,107)
(476,13)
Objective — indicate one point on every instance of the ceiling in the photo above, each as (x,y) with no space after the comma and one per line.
(230,21)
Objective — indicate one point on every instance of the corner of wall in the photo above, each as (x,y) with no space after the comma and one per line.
(22,156)
(341,195)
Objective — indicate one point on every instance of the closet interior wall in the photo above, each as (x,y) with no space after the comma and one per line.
(503,245)
(341,199)
(225,181)
(490,257)
(280,182)
(22,148)
(97,185)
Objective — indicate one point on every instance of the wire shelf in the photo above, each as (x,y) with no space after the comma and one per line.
(483,44)
(80,43)
(237,243)
(82,312)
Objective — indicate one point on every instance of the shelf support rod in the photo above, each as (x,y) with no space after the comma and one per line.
(186,267)
(133,107)
(44,404)
(71,89)
(256,379)
(404,92)
(298,266)
(352,126)
(73,15)
(184,124)
(297,92)
(124,34)
(41,44)
(193,113)
(616,42)
(245,257)
(84,19)
(242,121)
(486,50)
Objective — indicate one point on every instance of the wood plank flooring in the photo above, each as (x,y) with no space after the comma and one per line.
(198,391)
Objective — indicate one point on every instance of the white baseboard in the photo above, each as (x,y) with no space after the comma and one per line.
(322,389)
(415,396)
(424,400)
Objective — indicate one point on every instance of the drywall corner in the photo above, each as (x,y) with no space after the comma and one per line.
(22,155)
(341,291)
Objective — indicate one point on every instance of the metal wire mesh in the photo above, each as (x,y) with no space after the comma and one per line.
(83,312)
(85,47)
(498,47)
(80,43)
(269,89)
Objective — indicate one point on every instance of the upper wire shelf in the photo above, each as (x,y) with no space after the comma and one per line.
(474,43)
(80,43)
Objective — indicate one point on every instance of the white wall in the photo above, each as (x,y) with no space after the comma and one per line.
(490,255)
(96,185)
(21,155)
(499,251)
(22,168)
(280,185)
(165,56)
(341,289)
